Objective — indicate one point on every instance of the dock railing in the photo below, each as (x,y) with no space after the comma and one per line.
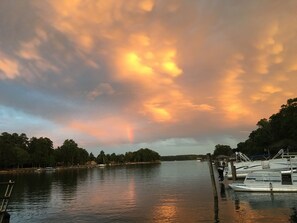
(5,199)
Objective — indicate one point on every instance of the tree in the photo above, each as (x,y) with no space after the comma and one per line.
(82,156)
(279,132)
(129,157)
(41,151)
(284,123)
(22,156)
(222,150)
(92,157)
(68,152)
(101,157)
(11,146)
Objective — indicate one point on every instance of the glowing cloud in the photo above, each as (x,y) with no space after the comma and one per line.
(169,65)
(270,89)
(157,113)
(145,71)
(9,69)
(146,5)
(135,65)
(106,130)
(232,88)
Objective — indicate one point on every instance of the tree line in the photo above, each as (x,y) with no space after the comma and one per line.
(139,156)
(277,132)
(18,151)
(183,157)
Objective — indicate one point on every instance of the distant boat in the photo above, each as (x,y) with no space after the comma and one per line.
(38,170)
(46,169)
(101,165)
(49,169)
(267,181)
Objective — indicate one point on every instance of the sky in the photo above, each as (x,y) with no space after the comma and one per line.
(175,76)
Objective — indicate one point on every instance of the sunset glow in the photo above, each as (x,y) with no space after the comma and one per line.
(135,65)
(121,75)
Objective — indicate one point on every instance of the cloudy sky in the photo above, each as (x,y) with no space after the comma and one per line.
(175,76)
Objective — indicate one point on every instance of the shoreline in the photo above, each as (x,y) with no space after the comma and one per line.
(52,169)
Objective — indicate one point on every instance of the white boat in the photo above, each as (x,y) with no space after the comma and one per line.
(244,165)
(102,165)
(267,181)
(49,169)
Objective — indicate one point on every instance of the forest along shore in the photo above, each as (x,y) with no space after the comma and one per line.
(34,169)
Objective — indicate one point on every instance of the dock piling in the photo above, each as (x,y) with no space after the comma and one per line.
(233,171)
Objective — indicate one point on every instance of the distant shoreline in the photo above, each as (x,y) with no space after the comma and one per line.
(39,170)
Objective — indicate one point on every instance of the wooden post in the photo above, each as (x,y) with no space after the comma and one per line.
(6,217)
(233,169)
(213,182)
(214,188)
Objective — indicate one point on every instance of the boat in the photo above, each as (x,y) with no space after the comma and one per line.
(244,165)
(267,181)
(49,169)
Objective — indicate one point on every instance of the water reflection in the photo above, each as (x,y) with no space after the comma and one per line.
(266,206)
(293,216)
(170,192)
(266,200)
(166,212)
(222,191)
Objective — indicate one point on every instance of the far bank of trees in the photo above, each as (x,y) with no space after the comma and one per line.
(18,151)
(139,156)
(183,157)
(277,132)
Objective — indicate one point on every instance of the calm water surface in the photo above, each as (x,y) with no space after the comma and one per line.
(169,192)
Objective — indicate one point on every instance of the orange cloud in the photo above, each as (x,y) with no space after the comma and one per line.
(139,39)
(292,66)
(270,49)
(30,51)
(270,89)
(146,5)
(163,59)
(157,112)
(107,130)
(230,95)
(147,65)
(265,92)
(134,65)
(171,105)
(9,69)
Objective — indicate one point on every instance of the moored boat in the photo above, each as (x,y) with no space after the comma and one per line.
(244,165)
(267,181)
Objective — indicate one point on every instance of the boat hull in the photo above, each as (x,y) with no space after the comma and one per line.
(241,187)
(267,181)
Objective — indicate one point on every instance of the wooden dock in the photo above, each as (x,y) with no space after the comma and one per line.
(4,216)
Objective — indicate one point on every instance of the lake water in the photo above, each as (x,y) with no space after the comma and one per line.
(167,192)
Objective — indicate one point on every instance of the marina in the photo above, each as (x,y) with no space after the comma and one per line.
(148,111)
(178,191)
(244,165)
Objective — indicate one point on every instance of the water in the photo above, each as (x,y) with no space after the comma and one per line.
(169,192)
